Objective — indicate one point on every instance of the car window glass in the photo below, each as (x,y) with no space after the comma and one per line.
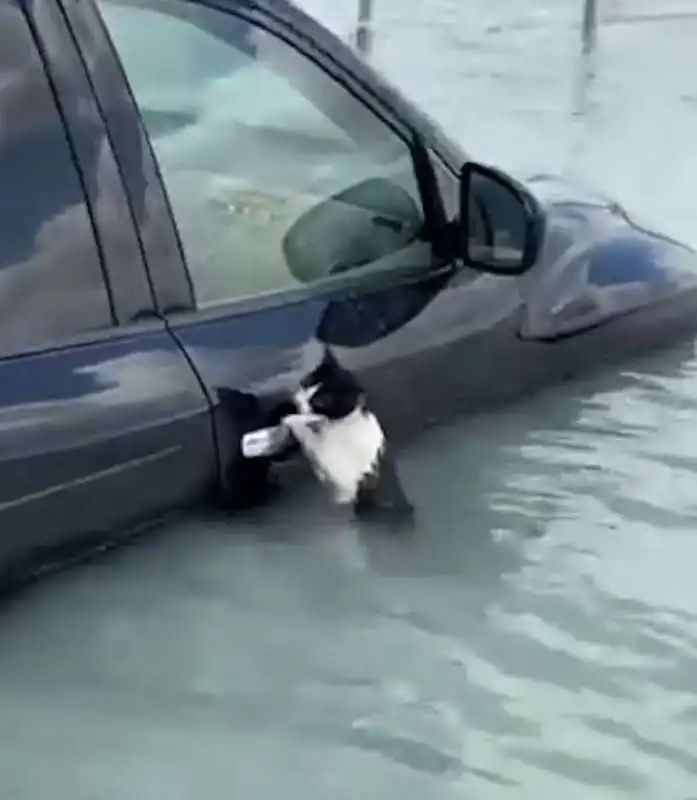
(51,282)
(278,176)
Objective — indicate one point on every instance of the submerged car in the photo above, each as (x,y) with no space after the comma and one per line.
(199,196)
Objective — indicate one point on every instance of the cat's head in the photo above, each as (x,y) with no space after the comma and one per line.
(329,390)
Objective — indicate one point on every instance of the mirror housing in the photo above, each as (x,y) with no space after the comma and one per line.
(500,225)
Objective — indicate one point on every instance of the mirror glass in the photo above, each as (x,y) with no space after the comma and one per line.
(499,229)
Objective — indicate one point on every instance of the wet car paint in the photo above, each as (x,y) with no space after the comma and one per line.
(104,433)
(596,264)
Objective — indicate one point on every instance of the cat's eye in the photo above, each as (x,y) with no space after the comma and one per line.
(322,403)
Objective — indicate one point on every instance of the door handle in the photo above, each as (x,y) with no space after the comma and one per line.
(265,442)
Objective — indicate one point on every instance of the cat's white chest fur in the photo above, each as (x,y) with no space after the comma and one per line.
(342,452)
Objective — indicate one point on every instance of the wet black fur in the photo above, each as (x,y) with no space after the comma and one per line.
(339,393)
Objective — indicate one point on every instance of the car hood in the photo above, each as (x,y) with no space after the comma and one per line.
(596,262)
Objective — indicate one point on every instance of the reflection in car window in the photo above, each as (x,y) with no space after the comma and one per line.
(51,282)
(253,138)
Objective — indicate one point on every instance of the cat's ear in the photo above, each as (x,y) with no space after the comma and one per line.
(328,358)
(327,366)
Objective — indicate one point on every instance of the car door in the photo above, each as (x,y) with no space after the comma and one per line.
(103,423)
(310,215)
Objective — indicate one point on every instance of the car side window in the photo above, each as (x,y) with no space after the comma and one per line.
(278,177)
(52,287)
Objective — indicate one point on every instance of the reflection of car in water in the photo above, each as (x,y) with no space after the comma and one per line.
(178,249)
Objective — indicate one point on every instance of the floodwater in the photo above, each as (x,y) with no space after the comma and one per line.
(537,635)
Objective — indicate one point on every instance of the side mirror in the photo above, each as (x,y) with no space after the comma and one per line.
(500,223)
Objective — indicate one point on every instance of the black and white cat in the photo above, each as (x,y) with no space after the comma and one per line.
(345,443)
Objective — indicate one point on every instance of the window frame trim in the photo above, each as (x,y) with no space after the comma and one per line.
(172,277)
(56,21)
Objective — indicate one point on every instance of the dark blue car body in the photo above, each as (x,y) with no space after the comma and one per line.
(121,402)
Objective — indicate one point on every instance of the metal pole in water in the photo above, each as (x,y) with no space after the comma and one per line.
(363,27)
(589,28)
